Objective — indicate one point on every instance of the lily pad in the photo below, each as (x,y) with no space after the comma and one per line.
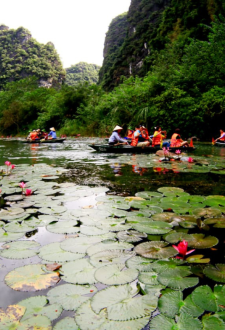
(173,190)
(169,303)
(16,227)
(92,231)
(37,306)
(149,278)
(148,194)
(216,273)
(63,227)
(139,263)
(79,244)
(204,298)
(31,278)
(131,236)
(153,227)
(155,250)
(7,237)
(108,245)
(121,304)
(93,321)
(67,323)
(53,252)
(19,249)
(184,322)
(11,317)
(177,278)
(70,296)
(175,237)
(109,257)
(115,275)
(207,212)
(198,258)
(78,272)
(199,241)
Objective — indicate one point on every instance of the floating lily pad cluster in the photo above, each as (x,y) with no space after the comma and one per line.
(124,244)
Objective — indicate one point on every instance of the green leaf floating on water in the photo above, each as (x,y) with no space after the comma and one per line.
(207,212)
(216,273)
(37,306)
(78,272)
(79,244)
(149,278)
(131,236)
(67,323)
(109,257)
(184,322)
(169,303)
(178,278)
(63,227)
(115,274)
(70,296)
(198,258)
(204,298)
(53,252)
(121,304)
(160,266)
(35,322)
(19,249)
(31,278)
(149,194)
(199,241)
(153,227)
(176,237)
(108,245)
(140,263)
(170,190)
(155,250)
(212,322)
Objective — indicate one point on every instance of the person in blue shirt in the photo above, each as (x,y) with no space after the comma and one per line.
(115,138)
(52,134)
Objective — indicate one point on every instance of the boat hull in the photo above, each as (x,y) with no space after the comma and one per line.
(220,144)
(123,149)
(45,141)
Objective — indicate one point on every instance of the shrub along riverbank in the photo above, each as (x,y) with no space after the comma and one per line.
(185,88)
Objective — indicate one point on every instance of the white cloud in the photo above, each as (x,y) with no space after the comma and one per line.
(76,27)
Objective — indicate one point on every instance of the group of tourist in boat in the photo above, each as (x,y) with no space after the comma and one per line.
(140,137)
(221,138)
(39,134)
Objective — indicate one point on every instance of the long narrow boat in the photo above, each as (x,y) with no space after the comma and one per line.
(123,149)
(43,141)
(220,144)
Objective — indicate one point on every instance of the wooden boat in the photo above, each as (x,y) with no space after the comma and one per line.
(123,149)
(44,141)
(219,144)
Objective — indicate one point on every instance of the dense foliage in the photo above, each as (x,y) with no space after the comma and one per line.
(151,24)
(22,56)
(82,72)
(185,88)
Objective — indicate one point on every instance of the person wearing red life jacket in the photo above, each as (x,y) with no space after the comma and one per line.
(138,140)
(158,137)
(176,140)
(222,136)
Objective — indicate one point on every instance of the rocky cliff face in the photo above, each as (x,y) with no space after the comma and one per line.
(22,56)
(150,24)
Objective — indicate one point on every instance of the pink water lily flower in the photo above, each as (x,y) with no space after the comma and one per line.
(7,163)
(22,185)
(177,152)
(28,192)
(190,160)
(182,249)
(13,166)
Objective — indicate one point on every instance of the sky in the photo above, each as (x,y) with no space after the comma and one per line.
(77,28)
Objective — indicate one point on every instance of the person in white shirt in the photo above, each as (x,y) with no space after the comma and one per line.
(115,138)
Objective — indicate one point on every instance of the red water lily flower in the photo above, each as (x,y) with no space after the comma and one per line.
(28,192)
(190,160)
(13,166)
(22,185)
(182,249)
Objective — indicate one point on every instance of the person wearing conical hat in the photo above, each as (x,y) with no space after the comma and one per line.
(52,134)
(115,138)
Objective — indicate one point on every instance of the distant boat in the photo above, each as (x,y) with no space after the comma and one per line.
(123,149)
(43,141)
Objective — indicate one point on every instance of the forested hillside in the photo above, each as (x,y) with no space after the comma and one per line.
(82,72)
(152,24)
(22,56)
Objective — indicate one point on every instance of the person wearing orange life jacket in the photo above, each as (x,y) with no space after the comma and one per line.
(129,134)
(176,140)
(33,135)
(158,136)
(222,136)
(137,139)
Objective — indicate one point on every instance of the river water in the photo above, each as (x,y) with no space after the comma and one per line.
(123,174)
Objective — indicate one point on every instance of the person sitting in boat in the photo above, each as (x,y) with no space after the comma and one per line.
(34,135)
(138,140)
(52,134)
(158,137)
(115,138)
(222,136)
(176,140)
(144,133)
(130,133)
